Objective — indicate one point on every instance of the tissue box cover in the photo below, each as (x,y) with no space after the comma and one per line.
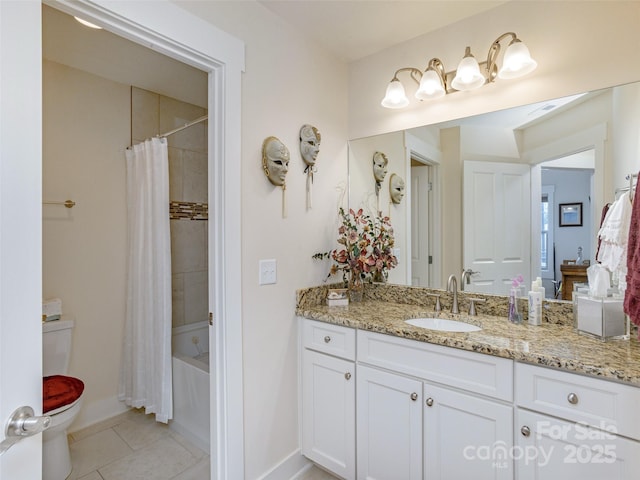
(51,306)
(601,317)
(337,297)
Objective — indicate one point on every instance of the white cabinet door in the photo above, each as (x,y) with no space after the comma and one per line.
(466,436)
(549,448)
(328,413)
(389,420)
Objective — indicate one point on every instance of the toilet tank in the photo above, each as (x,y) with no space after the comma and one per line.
(56,346)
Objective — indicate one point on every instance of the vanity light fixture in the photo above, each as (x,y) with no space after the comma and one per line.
(435,82)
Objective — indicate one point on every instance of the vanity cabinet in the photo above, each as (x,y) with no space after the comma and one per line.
(328,397)
(414,420)
(418,410)
(573,426)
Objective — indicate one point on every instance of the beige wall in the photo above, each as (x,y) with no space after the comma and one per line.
(288,82)
(86,130)
(579,46)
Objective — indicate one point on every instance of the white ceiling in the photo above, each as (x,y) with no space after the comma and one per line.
(358,28)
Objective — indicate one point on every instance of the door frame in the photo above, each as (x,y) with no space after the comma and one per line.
(428,155)
(174,32)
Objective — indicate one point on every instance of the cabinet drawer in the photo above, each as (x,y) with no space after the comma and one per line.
(328,338)
(600,403)
(475,372)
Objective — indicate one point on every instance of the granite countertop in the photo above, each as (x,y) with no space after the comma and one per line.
(554,345)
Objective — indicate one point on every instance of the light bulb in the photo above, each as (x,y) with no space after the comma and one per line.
(468,76)
(395,96)
(431,86)
(517,61)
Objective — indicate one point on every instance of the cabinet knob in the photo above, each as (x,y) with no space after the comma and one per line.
(327,339)
(429,402)
(572,398)
(347,376)
(414,396)
(525,431)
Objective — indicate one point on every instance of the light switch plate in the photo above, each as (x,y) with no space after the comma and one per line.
(267,272)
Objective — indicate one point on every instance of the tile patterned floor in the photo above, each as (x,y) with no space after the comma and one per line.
(315,473)
(133,446)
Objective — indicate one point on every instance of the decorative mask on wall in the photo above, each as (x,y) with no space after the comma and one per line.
(309,148)
(396,188)
(275,164)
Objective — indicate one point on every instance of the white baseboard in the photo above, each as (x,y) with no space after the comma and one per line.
(97,411)
(290,468)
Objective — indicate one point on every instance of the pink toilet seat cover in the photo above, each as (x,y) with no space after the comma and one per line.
(60,390)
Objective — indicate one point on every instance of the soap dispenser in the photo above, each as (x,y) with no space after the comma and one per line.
(535,304)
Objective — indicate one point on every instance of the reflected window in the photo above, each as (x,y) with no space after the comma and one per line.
(546,230)
(544,241)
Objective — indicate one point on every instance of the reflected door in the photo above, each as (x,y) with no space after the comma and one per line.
(420,187)
(496,225)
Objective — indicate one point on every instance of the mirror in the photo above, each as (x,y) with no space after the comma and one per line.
(483,193)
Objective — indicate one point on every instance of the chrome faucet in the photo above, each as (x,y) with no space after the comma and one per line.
(452,287)
(465,276)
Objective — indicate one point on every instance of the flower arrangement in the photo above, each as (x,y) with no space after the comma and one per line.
(366,249)
(517,281)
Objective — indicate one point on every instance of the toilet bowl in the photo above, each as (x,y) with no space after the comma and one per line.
(62,398)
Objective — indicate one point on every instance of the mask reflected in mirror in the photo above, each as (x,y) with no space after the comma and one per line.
(380,162)
(396,188)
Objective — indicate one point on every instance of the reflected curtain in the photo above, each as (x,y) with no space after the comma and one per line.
(145,378)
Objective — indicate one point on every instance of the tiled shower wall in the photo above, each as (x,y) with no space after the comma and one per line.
(152,114)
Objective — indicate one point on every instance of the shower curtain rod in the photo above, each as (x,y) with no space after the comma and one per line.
(186,125)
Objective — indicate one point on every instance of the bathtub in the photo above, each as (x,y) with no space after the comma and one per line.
(190,363)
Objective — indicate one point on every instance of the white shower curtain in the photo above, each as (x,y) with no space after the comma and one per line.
(145,378)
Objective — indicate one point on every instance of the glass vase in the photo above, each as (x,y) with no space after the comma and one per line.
(379,277)
(356,287)
(514,315)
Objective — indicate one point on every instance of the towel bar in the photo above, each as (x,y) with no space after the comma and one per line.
(66,203)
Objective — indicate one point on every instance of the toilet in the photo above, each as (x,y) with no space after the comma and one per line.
(61,398)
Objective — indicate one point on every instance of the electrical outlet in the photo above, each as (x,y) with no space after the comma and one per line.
(195,340)
(267,272)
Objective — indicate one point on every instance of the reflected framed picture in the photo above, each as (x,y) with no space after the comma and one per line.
(571,214)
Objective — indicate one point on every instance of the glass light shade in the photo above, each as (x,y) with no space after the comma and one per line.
(517,61)
(431,86)
(468,76)
(395,96)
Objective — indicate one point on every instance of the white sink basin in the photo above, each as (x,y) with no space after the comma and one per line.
(442,324)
